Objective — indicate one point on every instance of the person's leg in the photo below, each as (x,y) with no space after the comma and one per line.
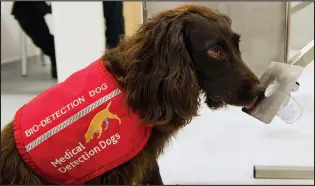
(36,28)
(115,23)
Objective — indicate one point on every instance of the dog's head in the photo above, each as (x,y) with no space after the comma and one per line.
(214,50)
(174,57)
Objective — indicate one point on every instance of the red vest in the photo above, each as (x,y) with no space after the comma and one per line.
(79,129)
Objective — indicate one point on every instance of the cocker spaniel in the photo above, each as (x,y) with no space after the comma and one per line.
(160,73)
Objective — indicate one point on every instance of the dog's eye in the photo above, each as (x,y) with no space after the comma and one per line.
(215,51)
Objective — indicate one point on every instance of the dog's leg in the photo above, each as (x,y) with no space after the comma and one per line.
(107,123)
(121,175)
(99,133)
(109,179)
(153,176)
(13,169)
(90,137)
(113,116)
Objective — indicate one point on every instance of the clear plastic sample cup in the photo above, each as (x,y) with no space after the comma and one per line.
(290,110)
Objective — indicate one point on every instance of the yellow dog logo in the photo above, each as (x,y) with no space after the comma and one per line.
(97,121)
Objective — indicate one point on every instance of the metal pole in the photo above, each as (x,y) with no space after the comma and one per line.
(283,172)
(287,30)
(23,54)
(42,58)
(144,10)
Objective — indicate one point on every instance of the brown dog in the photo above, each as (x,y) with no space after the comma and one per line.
(171,60)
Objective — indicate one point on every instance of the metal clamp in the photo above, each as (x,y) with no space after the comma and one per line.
(295,87)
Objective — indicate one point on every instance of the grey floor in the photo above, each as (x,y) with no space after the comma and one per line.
(37,79)
(17,90)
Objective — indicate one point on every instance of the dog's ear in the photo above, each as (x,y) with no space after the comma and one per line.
(162,84)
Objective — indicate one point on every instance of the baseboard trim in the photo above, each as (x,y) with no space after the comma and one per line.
(17,59)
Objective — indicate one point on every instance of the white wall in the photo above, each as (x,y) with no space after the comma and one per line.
(261,25)
(79,35)
(302,26)
(10,36)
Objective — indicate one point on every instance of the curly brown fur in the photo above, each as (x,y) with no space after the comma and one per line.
(174,57)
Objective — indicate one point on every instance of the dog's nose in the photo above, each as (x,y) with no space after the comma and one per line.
(258,89)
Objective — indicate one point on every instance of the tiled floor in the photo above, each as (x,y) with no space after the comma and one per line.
(216,148)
